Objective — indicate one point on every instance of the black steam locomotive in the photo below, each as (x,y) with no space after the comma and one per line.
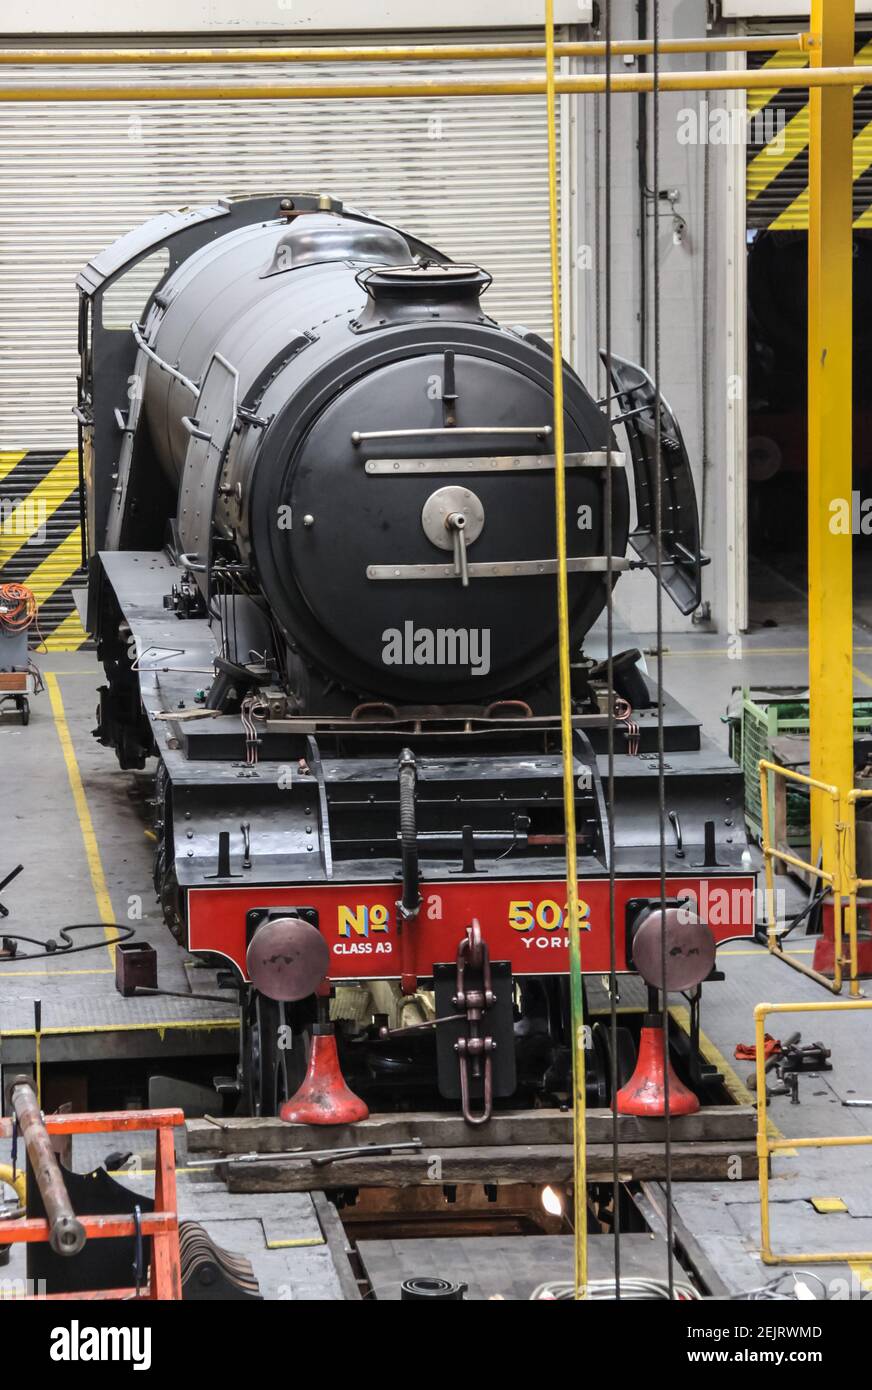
(320,520)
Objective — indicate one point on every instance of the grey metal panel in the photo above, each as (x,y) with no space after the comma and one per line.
(468,175)
(216,415)
(261,17)
(140,239)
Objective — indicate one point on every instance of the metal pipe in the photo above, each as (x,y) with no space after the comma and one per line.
(742,80)
(579,1088)
(828,1006)
(763,1149)
(834,985)
(830,411)
(839,880)
(66,1233)
(642,180)
(405,53)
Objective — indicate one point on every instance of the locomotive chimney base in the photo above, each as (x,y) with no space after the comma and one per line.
(324,1098)
(645,1092)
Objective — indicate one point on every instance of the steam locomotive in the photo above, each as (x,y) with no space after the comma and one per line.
(319,484)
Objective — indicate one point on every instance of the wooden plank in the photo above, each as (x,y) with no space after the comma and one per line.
(712,1122)
(527,1163)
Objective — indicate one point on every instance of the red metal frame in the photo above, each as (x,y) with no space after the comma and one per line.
(522,920)
(161,1225)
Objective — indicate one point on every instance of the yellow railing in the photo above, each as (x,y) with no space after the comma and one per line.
(837,877)
(766,1146)
(852,882)
(405,53)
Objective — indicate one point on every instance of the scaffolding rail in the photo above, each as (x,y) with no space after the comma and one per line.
(767,1145)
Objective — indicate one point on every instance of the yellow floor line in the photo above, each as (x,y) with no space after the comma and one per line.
(144,1027)
(295,1244)
(800,951)
(86,825)
(50,974)
(748,652)
(130,1174)
(863,1273)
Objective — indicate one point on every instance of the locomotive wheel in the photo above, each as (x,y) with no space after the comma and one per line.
(271,1072)
(598,1060)
(626,1050)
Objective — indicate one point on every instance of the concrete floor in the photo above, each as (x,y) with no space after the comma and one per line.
(49,830)
(54,833)
(79,827)
(701,670)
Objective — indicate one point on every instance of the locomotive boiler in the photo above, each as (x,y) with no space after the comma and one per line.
(321,536)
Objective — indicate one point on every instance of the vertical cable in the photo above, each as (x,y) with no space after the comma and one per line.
(578,1051)
(704,327)
(610,646)
(658,527)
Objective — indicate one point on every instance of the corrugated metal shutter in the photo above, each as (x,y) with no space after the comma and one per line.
(40,540)
(468,175)
(777,177)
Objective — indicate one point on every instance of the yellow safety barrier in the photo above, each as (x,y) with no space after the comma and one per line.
(404,53)
(852,882)
(17,1180)
(766,1146)
(837,877)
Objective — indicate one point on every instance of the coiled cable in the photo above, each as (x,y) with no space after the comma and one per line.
(18,608)
(637,1288)
(52,948)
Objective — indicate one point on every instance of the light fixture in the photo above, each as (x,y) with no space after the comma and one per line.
(552,1201)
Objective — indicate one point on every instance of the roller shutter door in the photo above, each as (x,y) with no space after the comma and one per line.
(778,128)
(468,175)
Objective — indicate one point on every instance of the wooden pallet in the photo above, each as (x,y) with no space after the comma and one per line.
(533,1146)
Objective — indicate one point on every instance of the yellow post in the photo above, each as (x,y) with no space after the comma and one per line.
(829,423)
(579,1106)
(763,1147)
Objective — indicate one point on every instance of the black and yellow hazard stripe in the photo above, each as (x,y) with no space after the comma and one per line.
(778,132)
(41,537)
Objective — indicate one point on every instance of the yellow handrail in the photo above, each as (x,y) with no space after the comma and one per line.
(859,75)
(766,1146)
(852,882)
(16,1179)
(402,53)
(834,876)
(579,1083)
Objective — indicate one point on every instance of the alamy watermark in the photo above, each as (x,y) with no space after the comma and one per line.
(442,646)
(24,518)
(851,516)
(78,1342)
(705,124)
